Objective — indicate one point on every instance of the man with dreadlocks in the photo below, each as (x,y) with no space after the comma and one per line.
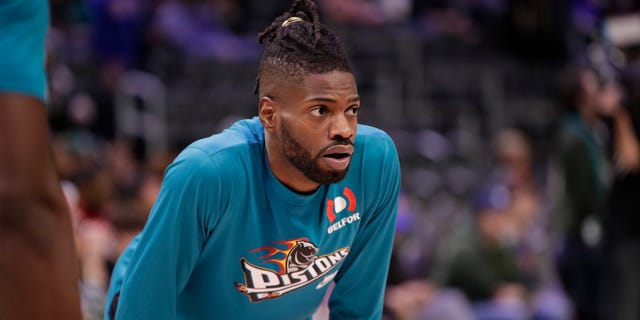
(257,221)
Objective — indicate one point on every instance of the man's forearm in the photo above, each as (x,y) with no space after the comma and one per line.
(38,266)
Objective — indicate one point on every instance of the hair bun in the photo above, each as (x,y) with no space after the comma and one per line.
(291,20)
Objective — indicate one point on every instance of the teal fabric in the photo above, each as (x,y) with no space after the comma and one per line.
(586,174)
(23,27)
(224,236)
(595,150)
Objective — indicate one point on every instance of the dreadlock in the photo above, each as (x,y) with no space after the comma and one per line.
(297,43)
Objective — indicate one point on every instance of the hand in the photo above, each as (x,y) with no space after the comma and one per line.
(510,293)
(406,299)
(610,99)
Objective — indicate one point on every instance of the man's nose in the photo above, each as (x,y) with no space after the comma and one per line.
(341,127)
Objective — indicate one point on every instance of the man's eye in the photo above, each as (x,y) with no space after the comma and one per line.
(318,111)
(353,110)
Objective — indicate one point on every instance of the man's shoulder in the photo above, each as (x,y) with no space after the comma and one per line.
(238,146)
(23,13)
(370,132)
(238,138)
(374,141)
(375,157)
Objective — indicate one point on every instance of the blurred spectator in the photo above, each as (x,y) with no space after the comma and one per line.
(529,223)
(496,285)
(622,224)
(513,166)
(508,247)
(109,206)
(410,293)
(586,173)
(92,238)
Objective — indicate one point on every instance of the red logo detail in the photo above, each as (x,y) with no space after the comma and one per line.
(338,204)
(330,214)
(352,199)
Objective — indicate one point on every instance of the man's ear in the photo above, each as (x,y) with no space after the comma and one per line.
(266,112)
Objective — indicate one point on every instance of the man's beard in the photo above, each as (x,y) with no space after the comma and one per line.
(309,165)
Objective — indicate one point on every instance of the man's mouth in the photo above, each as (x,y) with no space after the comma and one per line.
(338,157)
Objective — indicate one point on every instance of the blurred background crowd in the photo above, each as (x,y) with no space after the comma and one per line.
(516,123)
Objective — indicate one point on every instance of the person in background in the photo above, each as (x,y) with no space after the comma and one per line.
(586,177)
(495,287)
(529,223)
(622,224)
(92,238)
(38,271)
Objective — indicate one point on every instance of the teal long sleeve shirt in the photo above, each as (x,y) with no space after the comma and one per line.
(226,240)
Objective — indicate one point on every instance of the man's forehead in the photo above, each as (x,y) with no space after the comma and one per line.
(333,80)
(313,85)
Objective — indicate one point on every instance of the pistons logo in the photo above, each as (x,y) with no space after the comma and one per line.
(339,203)
(295,264)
